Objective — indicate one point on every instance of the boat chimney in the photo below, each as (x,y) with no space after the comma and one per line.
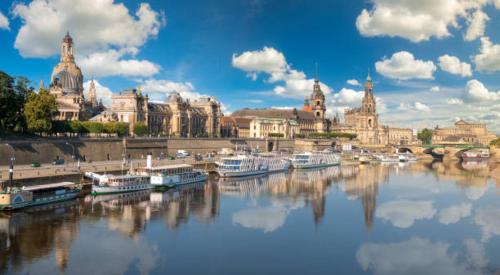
(149,161)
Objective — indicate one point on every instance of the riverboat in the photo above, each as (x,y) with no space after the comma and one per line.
(275,162)
(475,154)
(407,157)
(109,184)
(174,175)
(15,198)
(388,158)
(242,166)
(314,159)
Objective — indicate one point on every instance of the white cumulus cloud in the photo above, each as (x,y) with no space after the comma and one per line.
(111,62)
(414,20)
(488,59)
(454,213)
(404,213)
(476,91)
(416,107)
(454,101)
(107,35)
(453,65)
(159,89)
(4,22)
(403,66)
(273,64)
(477,23)
(353,82)
(435,89)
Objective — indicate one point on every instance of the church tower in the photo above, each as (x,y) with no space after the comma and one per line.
(92,94)
(368,103)
(318,100)
(369,108)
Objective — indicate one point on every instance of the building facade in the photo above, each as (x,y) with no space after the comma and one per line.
(176,117)
(464,132)
(364,123)
(288,122)
(67,87)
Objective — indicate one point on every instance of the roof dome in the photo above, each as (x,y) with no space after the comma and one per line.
(69,83)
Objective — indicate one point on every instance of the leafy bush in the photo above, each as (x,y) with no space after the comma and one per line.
(141,129)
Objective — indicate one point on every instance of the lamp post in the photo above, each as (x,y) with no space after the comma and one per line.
(11,166)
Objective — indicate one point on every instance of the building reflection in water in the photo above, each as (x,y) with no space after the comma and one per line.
(37,232)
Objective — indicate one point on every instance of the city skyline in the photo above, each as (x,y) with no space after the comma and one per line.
(263,54)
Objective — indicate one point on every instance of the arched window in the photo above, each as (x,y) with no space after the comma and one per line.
(318,114)
(370,122)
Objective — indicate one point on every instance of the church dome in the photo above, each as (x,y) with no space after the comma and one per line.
(70,83)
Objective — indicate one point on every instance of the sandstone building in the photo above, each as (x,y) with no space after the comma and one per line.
(67,86)
(364,123)
(464,132)
(175,117)
(286,122)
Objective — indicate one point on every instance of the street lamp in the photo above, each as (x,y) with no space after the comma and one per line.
(11,165)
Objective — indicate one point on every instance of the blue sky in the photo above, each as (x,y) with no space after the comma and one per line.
(432,62)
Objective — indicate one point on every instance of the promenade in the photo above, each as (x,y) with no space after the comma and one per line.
(73,168)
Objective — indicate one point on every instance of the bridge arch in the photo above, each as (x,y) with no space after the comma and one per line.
(405,150)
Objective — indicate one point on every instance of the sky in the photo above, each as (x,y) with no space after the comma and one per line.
(432,61)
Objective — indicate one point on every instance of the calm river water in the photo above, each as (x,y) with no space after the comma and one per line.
(422,218)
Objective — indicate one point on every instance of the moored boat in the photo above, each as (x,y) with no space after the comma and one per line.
(475,154)
(314,159)
(174,175)
(109,184)
(275,162)
(15,198)
(242,166)
(388,158)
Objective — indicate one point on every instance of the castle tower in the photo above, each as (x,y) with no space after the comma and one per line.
(92,94)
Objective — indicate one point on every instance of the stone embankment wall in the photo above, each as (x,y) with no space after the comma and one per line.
(46,150)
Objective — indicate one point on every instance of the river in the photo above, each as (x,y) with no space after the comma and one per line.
(421,218)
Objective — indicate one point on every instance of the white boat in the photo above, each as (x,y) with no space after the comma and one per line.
(242,166)
(314,159)
(388,158)
(406,157)
(109,184)
(275,162)
(174,175)
(475,154)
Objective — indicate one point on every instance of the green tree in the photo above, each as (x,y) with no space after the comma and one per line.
(38,111)
(13,94)
(141,129)
(425,136)
(495,142)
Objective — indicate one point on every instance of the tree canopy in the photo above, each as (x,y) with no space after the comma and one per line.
(13,94)
(425,136)
(38,111)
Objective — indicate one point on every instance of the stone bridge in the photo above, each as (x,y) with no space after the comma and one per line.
(445,151)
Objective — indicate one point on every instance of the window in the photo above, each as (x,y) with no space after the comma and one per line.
(369,122)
